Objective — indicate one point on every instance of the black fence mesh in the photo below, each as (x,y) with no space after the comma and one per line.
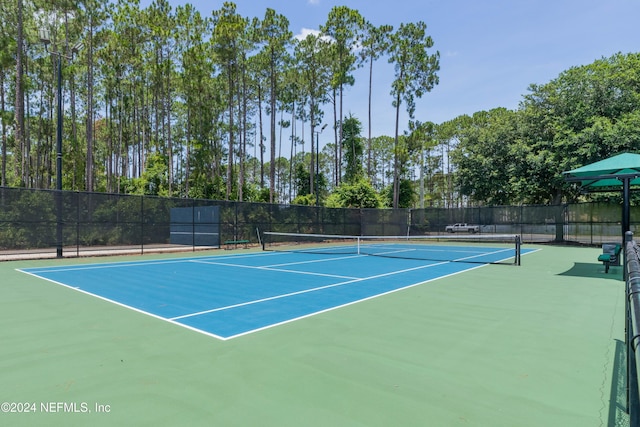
(385,222)
(39,222)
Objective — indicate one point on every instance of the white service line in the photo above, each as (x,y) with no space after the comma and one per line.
(282,270)
(306,291)
(120,264)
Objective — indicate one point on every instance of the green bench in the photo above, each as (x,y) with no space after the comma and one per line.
(235,243)
(610,255)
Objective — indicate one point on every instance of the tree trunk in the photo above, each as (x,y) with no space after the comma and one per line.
(231,143)
(19,105)
(3,167)
(261,136)
(272,169)
(369,165)
(89,123)
(396,164)
(168,118)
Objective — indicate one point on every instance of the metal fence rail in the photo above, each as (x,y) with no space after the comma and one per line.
(632,276)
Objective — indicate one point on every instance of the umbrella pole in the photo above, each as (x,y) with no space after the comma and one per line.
(626,222)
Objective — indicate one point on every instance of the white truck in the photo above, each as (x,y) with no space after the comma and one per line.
(462,227)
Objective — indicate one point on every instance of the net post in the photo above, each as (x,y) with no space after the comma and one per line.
(518,247)
(358,243)
(259,239)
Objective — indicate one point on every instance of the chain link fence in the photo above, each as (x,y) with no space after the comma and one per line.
(45,223)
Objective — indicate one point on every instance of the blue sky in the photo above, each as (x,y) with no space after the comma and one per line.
(490,50)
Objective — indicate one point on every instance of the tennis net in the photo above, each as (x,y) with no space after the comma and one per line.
(476,248)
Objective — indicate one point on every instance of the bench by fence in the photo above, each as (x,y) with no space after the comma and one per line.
(235,243)
(610,255)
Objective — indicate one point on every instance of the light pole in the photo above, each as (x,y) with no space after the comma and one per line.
(44,38)
(318,163)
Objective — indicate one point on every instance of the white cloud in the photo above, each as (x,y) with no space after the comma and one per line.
(304,32)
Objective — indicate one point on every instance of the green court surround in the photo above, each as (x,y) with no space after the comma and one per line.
(529,346)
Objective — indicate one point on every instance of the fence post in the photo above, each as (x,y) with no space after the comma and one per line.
(632,329)
(77,201)
(59,242)
(142,224)
(628,238)
(193,225)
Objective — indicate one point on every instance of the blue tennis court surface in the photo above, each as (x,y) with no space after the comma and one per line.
(233,295)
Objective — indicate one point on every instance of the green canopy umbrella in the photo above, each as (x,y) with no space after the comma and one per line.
(619,172)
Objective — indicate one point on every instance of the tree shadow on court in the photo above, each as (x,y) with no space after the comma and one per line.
(593,270)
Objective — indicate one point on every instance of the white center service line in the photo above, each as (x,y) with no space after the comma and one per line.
(282,270)
(304,291)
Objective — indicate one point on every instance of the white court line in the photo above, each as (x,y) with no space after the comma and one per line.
(294,319)
(214,261)
(120,264)
(226,338)
(354,280)
(336,307)
(281,270)
(75,288)
(477,255)
(315,260)
(307,291)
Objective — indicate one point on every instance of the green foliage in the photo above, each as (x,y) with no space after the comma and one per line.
(253,193)
(313,66)
(353,149)
(304,199)
(359,194)
(154,180)
(303,184)
(168,102)
(206,188)
(484,157)
(580,117)
(415,69)
(407,196)
(344,26)
(586,114)
(415,74)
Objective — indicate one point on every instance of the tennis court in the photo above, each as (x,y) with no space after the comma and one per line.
(480,345)
(229,296)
